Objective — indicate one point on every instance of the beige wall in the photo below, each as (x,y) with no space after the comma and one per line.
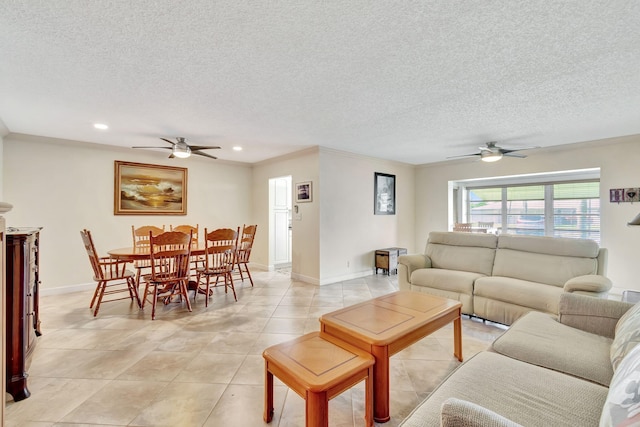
(349,231)
(618,160)
(66,186)
(301,166)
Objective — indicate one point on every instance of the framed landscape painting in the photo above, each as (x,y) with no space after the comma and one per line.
(143,189)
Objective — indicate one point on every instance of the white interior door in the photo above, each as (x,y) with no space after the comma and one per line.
(281,221)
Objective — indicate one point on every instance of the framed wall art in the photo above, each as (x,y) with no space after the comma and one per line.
(304,192)
(384,194)
(143,189)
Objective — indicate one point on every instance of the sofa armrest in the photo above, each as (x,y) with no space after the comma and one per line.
(407,264)
(596,315)
(457,412)
(589,283)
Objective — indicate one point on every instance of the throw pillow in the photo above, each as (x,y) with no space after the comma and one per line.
(627,335)
(622,407)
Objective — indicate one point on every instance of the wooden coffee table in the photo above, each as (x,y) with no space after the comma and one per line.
(383,326)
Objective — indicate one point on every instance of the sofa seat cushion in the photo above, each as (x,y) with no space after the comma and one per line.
(449,280)
(523,393)
(537,296)
(539,338)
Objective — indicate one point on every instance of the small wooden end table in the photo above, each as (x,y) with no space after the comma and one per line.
(383,326)
(318,368)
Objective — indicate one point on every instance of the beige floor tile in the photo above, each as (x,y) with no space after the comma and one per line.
(205,367)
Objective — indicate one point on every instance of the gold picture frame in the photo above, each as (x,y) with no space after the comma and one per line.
(144,189)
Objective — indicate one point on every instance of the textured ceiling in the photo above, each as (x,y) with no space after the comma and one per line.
(413,81)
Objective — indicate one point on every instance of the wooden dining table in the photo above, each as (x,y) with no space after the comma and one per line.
(137,254)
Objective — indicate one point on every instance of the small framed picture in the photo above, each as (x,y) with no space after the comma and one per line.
(384,194)
(303,192)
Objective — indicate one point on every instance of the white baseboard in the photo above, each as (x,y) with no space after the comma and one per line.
(67,289)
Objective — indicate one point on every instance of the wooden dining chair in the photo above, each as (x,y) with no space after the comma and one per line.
(243,251)
(462,226)
(111,276)
(196,260)
(141,243)
(169,255)
(219,260)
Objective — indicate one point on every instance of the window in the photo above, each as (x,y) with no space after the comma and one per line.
(560,208)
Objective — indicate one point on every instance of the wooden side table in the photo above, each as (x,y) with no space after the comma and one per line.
(318,368)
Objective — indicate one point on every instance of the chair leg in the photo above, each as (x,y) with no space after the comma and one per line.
(153,302)
(185,292)
(233,288)
(103,286)
(95,295)
(249,274)
(133,291)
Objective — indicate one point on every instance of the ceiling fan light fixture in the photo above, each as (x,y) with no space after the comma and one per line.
(181,152)
(490,156)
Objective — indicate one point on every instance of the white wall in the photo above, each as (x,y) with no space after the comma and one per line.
(619,163)
(65,186)
(349,231)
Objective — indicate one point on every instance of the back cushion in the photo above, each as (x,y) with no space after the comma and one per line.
(621,407)
(462,251)
(549,260)
(627,335)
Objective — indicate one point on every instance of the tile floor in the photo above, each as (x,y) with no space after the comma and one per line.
(205,368)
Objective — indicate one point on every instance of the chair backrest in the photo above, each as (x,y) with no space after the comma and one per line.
(462,226)
(246,242)
(141,235)
(186,228)
(94,259)
(220,247)
(483,224)
(170,252)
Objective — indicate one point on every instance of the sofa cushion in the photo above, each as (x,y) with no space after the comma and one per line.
(536,296)
(523,393)
(460,413)
(450,280)
(540,339)
(622,407)
(549,260)
(462,251)
(627,335)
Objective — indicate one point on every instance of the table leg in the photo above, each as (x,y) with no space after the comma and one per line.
(457,338)
(381,384)
(268,394)
(368,399)
(317,409)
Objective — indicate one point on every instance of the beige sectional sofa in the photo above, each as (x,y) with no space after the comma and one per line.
(500,278)
(581,368)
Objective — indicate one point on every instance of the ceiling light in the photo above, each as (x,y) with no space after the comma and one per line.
(237,148)
(100,126)
(181,150)
(490,156)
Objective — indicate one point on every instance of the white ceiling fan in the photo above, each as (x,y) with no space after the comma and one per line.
(183,150)
(493,153)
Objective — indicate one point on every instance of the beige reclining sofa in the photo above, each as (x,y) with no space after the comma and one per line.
(580,368)
(501,278)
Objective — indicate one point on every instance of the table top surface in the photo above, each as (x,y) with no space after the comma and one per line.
(133,253)
(383,320)
(318,362)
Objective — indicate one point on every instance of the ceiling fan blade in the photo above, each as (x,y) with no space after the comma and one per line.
(170,142)
(511,154)
(464,155)
(168,148)
(171,156)
(204,147)
(199,153)
(505,151)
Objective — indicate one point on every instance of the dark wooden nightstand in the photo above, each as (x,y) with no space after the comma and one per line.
(387,259)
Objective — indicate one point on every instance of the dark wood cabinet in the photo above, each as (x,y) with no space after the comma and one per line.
(387,259)
(22,320)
